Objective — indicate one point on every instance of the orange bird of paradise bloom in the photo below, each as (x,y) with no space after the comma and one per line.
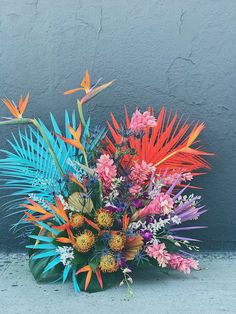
(76,140)
(90,91)
(16,111)
(57,211)
(89,271)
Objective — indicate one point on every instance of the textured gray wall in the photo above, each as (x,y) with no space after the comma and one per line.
(178,53)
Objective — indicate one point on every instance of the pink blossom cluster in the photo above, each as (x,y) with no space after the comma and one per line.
(162,204)
(183,264)
(175,261)
(140,122)
(139,174)
(106,171)
(158,252)
(172,177)
(187,176)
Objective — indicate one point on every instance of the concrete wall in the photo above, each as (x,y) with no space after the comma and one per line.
(178,53)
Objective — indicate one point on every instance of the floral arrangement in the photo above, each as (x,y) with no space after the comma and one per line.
(97,203)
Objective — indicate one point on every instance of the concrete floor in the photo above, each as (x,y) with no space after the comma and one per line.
(211,290)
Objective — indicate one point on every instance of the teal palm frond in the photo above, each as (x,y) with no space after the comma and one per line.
(29,170)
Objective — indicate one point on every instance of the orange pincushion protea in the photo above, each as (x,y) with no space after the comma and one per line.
(84,241)
(117,241)
(76,220)
(104,218)
(108,263)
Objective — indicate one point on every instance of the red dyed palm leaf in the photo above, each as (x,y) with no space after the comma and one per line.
(170,145)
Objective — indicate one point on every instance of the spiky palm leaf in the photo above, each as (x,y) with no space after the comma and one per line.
(29,168)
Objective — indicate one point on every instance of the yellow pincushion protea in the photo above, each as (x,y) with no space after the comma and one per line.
(117,241)
(104,218)
(84,241)
(76,220)
(108,263)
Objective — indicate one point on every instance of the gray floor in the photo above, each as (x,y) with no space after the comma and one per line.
(211,290)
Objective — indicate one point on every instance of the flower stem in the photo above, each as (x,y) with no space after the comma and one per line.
(81,114)
(85,158)
(16,121)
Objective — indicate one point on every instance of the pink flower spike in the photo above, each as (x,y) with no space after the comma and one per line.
(187,176)
(182,264)
(158,252)
(139,175)
(139,122)
(162,204)
(106,171)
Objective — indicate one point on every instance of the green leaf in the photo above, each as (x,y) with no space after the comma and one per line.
(109,280)
(37,268)
(93,263)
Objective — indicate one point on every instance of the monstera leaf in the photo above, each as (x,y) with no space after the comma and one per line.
(37,268)
(109,280)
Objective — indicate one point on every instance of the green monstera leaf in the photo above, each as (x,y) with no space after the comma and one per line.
(109,280)
(37,268)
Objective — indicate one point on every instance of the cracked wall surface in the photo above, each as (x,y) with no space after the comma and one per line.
(178,53)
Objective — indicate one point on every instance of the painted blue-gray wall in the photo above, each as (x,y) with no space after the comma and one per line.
(178,53)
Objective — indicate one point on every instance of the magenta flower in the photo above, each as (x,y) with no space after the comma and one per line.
(147,235)
(182,264)
(139,122)
(106,171)
(158,252)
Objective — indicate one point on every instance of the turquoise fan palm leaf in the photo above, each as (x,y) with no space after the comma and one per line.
(29,169)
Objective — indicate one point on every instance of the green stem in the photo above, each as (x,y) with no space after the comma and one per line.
(16,121)
(85,158)
(50,149)
(81,114)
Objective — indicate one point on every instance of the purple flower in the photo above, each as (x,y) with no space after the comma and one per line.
(149,219)
(147,235)
(121,260)
(137,203)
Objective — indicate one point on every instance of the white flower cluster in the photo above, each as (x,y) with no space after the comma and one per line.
(39,200)
(155,187)
(78,172)
(42,182)
(116,182)
(66,206)
(66,254)
(185,198)
(154,226)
